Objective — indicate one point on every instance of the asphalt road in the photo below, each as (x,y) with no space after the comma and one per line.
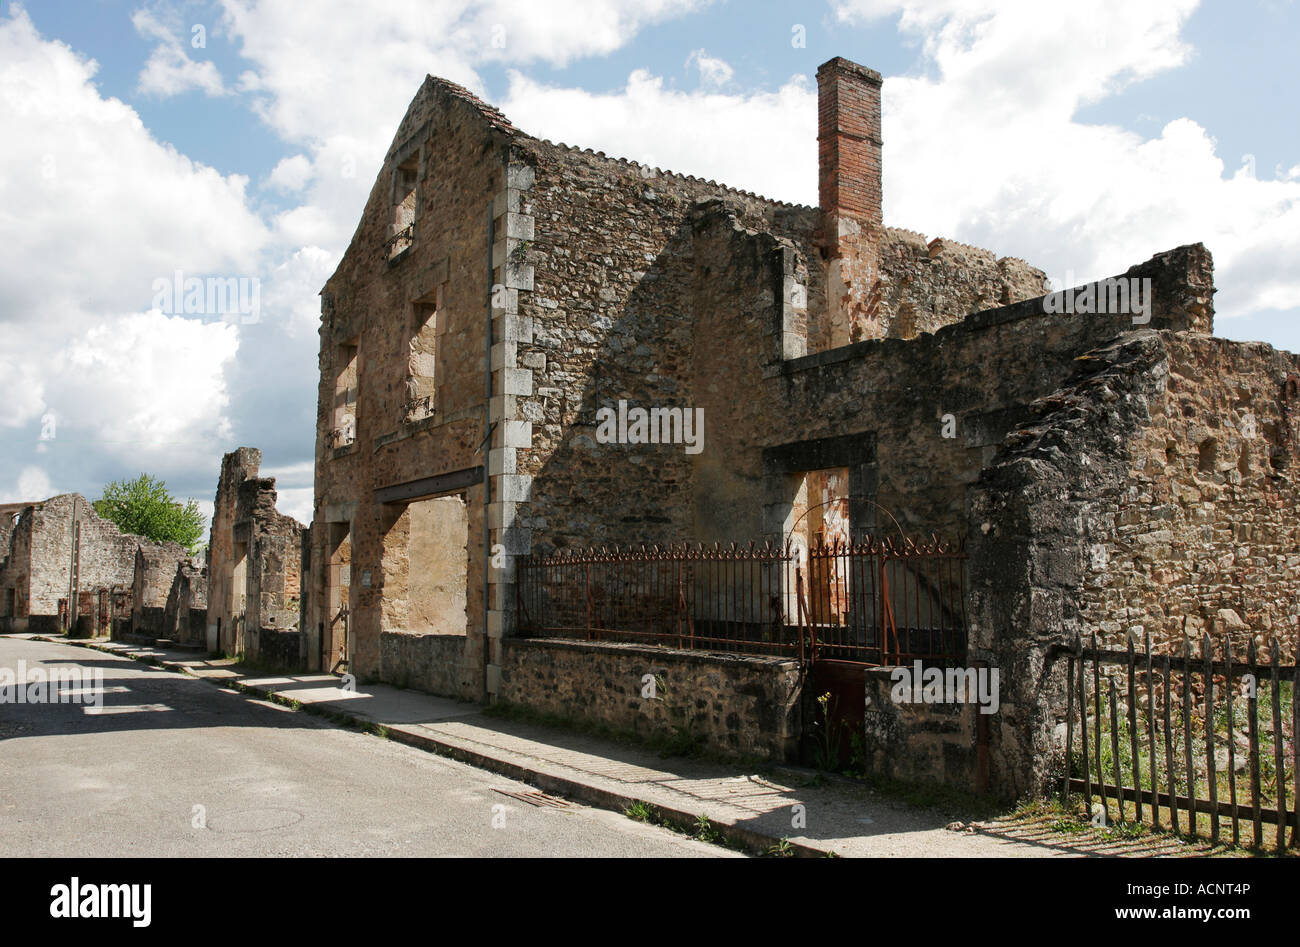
(173,766)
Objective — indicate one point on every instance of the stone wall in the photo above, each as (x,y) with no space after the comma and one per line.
(39,566)
(387,299)
(1050,507)
(919,742)
(151,584)
(279,648)
(226,603)
(185,615)
(438,664)
(935,373)
(254,560)
(741,705)
(1202,535)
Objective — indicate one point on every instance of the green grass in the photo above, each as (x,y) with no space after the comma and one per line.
(701,829)
(642,812)
(781,849)
(1140,743)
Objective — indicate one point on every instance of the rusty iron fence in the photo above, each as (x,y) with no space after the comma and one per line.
(1186,742)
(884,601)
(872,602)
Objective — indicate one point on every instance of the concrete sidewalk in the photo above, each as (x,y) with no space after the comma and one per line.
(760,810)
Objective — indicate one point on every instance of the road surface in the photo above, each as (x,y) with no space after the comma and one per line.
(173,766)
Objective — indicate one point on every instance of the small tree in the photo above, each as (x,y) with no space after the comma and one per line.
(144,507)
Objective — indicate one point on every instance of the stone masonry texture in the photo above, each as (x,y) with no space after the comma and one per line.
(60,555)
(1107,475)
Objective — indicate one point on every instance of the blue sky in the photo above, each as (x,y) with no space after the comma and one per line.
(1083,137)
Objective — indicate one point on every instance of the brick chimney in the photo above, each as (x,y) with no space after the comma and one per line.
(848,151)
(848,147)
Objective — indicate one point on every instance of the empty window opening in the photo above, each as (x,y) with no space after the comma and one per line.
(426,567)
(422,374)
(345,394)
(402,230)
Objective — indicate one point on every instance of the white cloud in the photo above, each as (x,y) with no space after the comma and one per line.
(169,70)
(291,174)
(93,210)
(338,84)
(148,382)
(759,141)
(1029,179)
(32,483)
(713,72)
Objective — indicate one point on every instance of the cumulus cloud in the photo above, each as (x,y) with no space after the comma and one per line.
(759,141)
(713,71)
(152,383)
(169,70)
(32,483)
(1006,81)
(95,210)
(290,174)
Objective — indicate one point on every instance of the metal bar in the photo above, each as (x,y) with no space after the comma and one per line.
(1114,748)
(1211,774)
(1232,739)
(1295,758)
(1083,721)
(1133,741)
(1069,724)
(1252,717)
(1097,717)
(1279,758)
(1165,799)
(1187,730)
(1170,773)
(1151,726)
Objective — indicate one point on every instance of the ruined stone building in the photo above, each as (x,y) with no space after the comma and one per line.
(67,569)
(254,567)
(185,616)
(503,296)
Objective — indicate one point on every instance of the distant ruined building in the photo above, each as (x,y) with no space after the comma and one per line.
(68,570)
(254,568)
(63,568)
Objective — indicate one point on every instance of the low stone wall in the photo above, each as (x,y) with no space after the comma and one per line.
(736,704)
(919,742)
(39,625)
(148,621)
(195,630)
(280,648)
(433,663)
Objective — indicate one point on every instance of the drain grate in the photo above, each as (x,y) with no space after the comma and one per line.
(536,798)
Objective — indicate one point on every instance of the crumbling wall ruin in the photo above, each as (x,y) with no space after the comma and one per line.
(932,377)
(186,612)
(151,584)
(254,567)
(64,562)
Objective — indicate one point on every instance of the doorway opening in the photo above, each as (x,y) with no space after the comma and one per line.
(426,567)
(334,644)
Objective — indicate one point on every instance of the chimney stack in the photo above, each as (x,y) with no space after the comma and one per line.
(848,145)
